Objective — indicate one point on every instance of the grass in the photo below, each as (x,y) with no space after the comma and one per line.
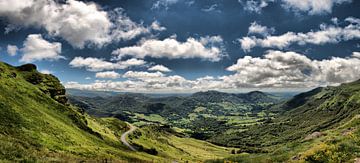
(35,127)
(341,144)
(151,118)
(176,147)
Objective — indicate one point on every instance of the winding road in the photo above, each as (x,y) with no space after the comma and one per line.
(124,135)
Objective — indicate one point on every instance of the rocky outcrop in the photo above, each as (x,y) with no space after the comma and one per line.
(47,83)
(27,67)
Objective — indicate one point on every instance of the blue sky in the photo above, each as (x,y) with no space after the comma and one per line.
(185,45)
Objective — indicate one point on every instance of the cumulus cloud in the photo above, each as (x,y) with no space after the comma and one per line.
(142,74)
(326,34)
(107,74)
(37,49)
(139,82)
(275,70)
(156,26)
(312,7)
(75,21)
(207,48)
(12,50)
(79,23)
(290,69)
(99,64)
(256,28)
(356,54)
(160,68)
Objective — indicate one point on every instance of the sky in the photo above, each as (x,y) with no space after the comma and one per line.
(183,46)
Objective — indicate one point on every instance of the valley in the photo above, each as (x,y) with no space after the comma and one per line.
(200,115)
(321,125)
(179,81)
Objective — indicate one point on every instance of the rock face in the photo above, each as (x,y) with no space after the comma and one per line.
(47,83)
(52,86)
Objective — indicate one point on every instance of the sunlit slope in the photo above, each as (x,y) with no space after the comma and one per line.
(36,123)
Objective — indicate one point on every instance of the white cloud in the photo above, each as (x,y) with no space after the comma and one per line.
(125,29)
(156,26)
(290,69)
(142,74)
(326,34)
(130,62)
(79,23)
(45,71)
(37,49)
(108,74)
(75,21)
(255,5)
(160,68)
(142,83)
(312,7)
(12,50)
(212,8)
(356,54)
(208,48)
(353,20)
(335,20)
(256,28)
(99,64)
(275,70)
(163,4)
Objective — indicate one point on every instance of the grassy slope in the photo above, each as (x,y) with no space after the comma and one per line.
(172,147)
(33,126)
(36,127)
(341,144)
(332,111)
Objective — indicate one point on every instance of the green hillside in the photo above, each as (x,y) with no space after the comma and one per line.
(321,125)
(37,124)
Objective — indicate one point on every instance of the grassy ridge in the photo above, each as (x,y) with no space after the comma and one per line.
(35,125)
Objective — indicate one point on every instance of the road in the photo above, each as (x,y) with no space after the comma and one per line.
(124,135)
